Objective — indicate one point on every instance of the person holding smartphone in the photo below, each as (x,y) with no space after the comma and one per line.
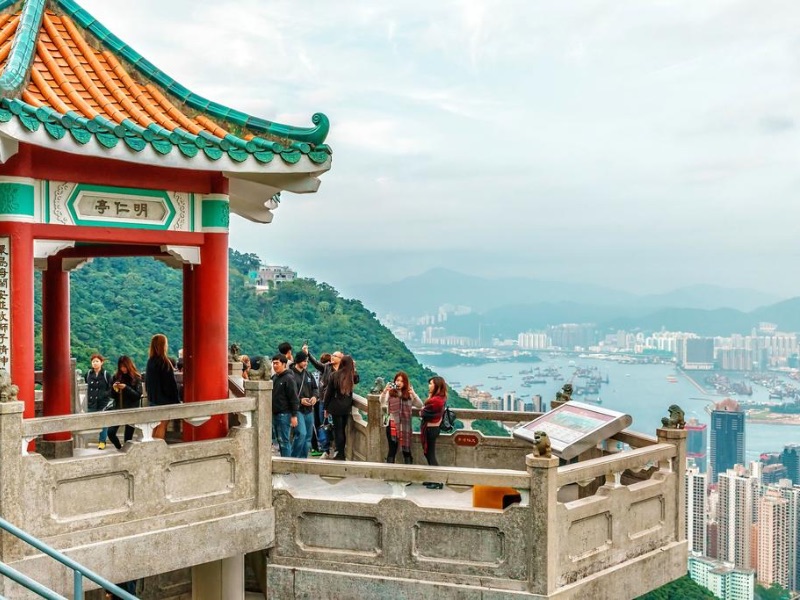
(397,400)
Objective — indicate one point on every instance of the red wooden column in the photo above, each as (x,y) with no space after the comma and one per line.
(188,332)
(209,315)
(56,343)
(21,318)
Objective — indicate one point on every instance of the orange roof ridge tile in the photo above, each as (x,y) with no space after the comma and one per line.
(136,92)
(170,108)
(49,93)
(210,125)
(63,83)
(136,114)
(105,103)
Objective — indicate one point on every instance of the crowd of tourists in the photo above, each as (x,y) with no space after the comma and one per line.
(123,388)
(310,415)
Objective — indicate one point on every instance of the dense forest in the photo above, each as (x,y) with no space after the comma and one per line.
(681,589)
(117,304)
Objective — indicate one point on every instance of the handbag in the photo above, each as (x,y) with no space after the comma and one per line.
(448,424)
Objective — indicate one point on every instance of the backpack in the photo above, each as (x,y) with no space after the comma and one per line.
(448,424)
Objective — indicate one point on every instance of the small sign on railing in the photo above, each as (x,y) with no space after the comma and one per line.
(466,439)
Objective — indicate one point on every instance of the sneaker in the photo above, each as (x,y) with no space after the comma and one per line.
(316,453)
(101,446)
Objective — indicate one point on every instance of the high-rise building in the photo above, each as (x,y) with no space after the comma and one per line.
(791,493)
(735,516)
(727,437)
(697,443)
(536,400)
(772,474)
(696,508)
(773,539)
(509,401)
(790,458)
(723,580)
(699,354)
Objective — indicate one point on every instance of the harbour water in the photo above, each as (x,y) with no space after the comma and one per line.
(642,391)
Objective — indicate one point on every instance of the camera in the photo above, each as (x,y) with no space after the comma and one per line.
(392,386)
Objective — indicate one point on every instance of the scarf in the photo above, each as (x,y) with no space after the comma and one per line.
(400,413)
(431,415)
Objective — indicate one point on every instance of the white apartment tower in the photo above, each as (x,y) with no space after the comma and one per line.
(736,513)
(696,508)
(792,496)
(773,539)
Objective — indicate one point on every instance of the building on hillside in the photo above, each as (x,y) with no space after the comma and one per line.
(773,539)
(697,443)
(696,508)
(269,277)
(727,437)
(735,516)
(722,579)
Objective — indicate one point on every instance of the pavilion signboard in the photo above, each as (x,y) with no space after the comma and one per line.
(120,207)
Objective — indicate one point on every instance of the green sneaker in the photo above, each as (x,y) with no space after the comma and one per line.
(316,453)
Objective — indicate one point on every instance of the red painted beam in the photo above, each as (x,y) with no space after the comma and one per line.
(43,163)
(117,235)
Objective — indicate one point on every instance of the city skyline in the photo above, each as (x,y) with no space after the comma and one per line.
(634,146)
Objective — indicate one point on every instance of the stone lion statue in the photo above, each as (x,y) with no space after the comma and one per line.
(541,444)
(378,386)
(567,391)
(675,419)
(8,391)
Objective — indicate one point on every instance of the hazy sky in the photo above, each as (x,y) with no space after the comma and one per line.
(643,145)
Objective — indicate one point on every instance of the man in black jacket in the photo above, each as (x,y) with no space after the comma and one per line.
(285,404)
(309,393)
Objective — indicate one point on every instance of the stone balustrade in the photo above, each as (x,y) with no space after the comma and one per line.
(370,529)
(148,509)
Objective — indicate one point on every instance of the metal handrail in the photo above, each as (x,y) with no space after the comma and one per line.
(78,570)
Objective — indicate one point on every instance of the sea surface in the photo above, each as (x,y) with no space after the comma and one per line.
(642,391)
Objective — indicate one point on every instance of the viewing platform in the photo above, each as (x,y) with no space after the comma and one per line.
(182,516)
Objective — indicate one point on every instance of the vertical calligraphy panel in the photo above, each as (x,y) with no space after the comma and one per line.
(5,303)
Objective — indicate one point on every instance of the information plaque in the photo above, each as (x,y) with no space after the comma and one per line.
(574,427)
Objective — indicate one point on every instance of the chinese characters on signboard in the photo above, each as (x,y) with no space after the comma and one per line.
(5,303)
(110,207)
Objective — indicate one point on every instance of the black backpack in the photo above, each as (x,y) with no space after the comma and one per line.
(448,424)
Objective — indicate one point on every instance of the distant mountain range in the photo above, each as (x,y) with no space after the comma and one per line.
(506,306)
(424,293)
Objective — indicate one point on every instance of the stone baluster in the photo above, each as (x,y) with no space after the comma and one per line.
(542,540)
(262,423)
(677,437)
(11,478)
(374,429)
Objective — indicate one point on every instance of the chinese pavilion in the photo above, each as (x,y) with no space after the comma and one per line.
(103,154)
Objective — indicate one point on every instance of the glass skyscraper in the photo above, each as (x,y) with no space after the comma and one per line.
(727,437)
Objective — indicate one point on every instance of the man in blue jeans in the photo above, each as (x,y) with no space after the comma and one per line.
(285,404)
(307,389)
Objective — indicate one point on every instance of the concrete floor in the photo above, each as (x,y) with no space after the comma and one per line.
(359,489)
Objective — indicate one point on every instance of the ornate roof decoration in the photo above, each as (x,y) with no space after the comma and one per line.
(54,80)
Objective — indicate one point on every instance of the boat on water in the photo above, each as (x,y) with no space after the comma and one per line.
(672,379)
(497,387)
(597,400)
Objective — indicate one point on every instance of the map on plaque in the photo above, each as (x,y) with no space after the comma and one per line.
(574,427)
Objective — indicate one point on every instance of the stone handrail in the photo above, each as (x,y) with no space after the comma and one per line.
(404,473)
(102,508)
(616,463)
(131,416)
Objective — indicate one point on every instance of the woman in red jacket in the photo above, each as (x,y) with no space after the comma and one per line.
(431,414)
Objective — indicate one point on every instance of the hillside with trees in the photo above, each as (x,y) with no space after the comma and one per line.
(117,304)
